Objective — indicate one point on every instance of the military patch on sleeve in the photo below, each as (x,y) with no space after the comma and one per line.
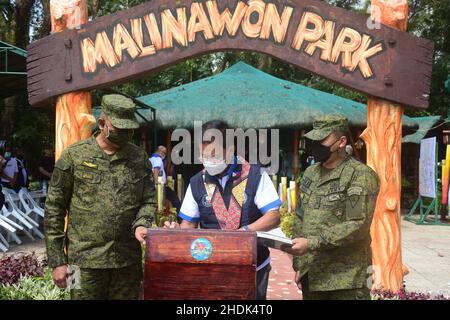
(354,191)
(56,180)
(353,199)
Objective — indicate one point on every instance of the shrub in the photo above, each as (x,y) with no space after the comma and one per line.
(33,288)
(14,267)
(287,222)
(404,295)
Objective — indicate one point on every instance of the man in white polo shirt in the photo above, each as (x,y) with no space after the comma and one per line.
(157,160)
(231,194)
(10,172)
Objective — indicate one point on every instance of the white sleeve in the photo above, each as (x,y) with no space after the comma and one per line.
(15,167)
(156,162)
(266,198)
(189,208)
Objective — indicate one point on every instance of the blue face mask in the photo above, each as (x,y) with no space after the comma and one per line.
(7,155)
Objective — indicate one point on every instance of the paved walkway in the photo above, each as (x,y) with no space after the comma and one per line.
(426,253)
(281,279)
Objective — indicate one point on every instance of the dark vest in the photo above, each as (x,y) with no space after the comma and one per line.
(249,214)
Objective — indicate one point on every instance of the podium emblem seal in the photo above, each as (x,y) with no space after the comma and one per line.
(201,249)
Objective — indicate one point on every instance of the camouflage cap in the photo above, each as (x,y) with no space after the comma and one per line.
(323,126)
(120,111)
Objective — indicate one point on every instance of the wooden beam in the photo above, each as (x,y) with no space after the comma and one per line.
(313,35)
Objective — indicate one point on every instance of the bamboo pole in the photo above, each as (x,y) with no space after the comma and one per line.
(296,154)
(383,137)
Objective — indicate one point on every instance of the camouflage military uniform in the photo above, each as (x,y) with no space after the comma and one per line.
(335,215)
(106,198)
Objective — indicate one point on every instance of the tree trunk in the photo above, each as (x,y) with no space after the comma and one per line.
(74,117)
(46,26)
(95,7)
(383,137)
(22,22)
(8,117)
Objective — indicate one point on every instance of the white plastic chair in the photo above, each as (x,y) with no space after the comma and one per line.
(29,205)
(4,245)
(37,197)
(14,213)
(13,227)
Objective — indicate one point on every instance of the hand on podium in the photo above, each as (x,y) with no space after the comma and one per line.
(171,225)
(140,234)
(183,225)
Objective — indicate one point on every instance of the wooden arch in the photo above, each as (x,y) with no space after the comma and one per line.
(350,49)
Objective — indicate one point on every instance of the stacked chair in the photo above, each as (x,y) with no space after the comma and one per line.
(21,215)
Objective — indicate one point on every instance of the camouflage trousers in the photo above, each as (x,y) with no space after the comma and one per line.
(109,284)
(346,294)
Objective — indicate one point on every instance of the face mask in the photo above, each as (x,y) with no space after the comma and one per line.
(119,137)
(215,168)
(7,155)
(320,152)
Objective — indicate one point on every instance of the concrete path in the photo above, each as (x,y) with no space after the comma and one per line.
(426,253)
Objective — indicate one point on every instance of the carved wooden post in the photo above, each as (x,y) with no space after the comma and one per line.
(383,137)
(74,117)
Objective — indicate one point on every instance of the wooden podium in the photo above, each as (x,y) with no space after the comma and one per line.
(199,264)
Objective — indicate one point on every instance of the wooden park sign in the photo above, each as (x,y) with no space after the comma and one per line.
(323,39)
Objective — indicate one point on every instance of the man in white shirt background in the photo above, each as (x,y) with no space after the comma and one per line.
(22,178)
(158,163)
(10,171)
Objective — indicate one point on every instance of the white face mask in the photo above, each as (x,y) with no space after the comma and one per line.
(215,168)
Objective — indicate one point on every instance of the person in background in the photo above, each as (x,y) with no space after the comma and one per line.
(158,163)
(46,165)
(10,172)
(22,177)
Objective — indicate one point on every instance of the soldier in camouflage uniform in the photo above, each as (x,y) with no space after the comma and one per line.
(103,184)
(332,224)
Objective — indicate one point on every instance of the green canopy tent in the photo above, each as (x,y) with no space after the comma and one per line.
(246,97)
(13,75)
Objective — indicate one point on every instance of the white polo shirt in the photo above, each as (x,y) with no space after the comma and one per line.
(157,163)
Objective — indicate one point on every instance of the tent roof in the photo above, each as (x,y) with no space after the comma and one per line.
(13,67)
(246,97)
(425,125)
